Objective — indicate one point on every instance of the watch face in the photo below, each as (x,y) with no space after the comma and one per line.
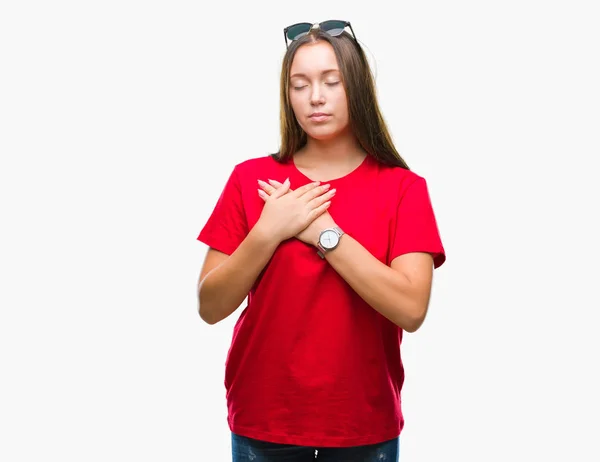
(329,239)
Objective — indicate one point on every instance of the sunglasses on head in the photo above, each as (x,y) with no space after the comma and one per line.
(332,27)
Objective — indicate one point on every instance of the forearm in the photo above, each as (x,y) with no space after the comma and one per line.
(224,288)
(386,290)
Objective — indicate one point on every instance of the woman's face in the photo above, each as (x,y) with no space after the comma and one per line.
(316,87)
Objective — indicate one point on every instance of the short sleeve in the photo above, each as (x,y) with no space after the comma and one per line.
(227,226)
(414,225)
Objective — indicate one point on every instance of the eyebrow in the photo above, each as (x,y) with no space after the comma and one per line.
(299,74)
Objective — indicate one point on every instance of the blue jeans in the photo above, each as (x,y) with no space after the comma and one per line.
(250,450)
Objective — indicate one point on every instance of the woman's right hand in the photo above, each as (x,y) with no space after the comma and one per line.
(287,214)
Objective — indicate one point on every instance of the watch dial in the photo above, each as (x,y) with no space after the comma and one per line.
(329,239)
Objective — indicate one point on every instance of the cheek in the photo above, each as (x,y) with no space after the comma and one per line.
(341,107)
(296,105)
(296,97)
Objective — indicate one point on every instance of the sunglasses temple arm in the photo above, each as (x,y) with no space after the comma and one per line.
(350,25)
(285,38)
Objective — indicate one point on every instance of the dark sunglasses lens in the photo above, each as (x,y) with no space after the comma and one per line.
(333,27)
(298,30)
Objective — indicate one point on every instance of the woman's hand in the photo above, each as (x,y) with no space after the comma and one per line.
(310,233)
(286,213)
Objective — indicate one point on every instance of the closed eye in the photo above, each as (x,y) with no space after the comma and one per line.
(326,83)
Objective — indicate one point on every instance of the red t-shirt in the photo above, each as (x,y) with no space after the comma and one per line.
(310,362)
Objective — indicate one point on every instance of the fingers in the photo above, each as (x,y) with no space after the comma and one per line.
(315,192)
(283,189)
(275,184)
(263,195)
(307,187)
(319,210)
(320,197)
(268,188)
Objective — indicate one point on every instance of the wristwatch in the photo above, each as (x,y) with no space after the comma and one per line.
(329,240)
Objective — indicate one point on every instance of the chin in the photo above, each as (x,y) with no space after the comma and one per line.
(323,135)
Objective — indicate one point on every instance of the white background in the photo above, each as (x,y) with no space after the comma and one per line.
(119,124)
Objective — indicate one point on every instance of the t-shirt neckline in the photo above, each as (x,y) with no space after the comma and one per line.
(357,170)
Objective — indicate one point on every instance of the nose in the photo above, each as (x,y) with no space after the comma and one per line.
(316,96)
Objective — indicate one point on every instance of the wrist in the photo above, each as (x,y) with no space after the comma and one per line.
(265,237)
(328,239)
(315,240)
(320,230)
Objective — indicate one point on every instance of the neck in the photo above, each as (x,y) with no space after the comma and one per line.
(342,149)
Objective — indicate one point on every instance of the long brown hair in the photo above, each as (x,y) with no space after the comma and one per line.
(365,119)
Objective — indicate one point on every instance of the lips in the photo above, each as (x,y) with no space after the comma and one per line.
(319,117)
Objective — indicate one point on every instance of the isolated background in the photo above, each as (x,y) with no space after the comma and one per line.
(119,124)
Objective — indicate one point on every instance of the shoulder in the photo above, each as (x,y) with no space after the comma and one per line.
(243,171)
(398,180)
(253,165)
(247,172)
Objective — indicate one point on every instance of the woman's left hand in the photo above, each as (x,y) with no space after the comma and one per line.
(310,234)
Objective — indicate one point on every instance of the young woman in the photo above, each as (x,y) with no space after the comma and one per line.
(334,241)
